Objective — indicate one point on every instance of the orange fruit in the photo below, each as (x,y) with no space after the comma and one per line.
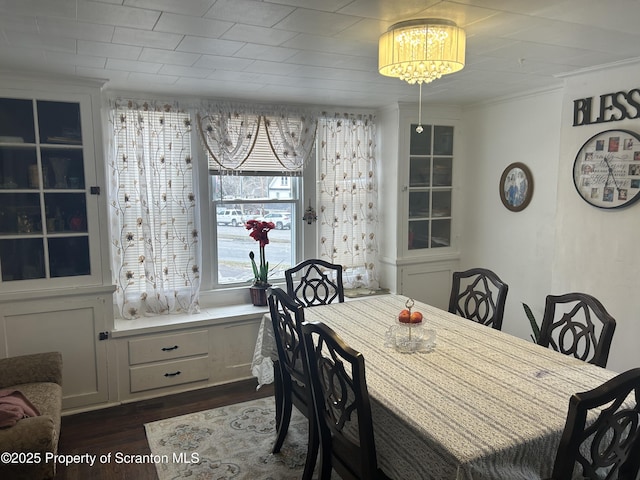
(404,316)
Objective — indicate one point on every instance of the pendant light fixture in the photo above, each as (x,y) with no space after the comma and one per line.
(421,51)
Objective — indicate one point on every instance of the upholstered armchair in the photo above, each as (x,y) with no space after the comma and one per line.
(39,378)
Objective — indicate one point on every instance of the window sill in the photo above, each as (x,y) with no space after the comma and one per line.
(208,316)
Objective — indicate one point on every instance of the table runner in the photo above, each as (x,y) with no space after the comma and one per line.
(482,405)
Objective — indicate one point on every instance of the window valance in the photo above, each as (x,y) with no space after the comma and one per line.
(242,139)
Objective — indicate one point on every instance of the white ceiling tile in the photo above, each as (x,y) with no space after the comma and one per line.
(250,12)
(105,74)
(365,30)
(325,5)
(185,25)
(579,36)
(333,60)
(323,43)
(118,15)
(211,46)
(18,23)
(196,8)
(459,14)
(24,56)
(74,29)
(314,22)
(180,71)
(49,8)
(146,38)
(253,34)
(265,52)
(217,89)
(47,43)
(109,50)
(388,11)
(158,55)
(270,68)
(238,77)
(153,79)
(76,60)
(133,66)
(214,62)
(617,15)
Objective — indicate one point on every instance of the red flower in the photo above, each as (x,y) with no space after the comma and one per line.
(260,230)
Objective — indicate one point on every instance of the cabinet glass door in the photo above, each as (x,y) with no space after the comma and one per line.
(430,187)
(43,211)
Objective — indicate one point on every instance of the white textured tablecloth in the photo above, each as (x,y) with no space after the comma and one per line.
(482,405)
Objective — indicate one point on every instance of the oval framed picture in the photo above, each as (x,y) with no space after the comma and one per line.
(516,187)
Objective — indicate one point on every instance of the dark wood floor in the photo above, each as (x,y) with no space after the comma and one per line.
(121,429)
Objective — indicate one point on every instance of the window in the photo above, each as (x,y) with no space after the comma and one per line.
(238,198)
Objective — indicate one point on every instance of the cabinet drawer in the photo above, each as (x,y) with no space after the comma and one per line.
(167,374)
(168,347)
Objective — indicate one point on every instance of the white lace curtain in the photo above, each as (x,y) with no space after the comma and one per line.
(347,197)
(153,209)
(230,133)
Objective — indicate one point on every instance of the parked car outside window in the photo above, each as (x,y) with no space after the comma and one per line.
(280,219)
(230,217)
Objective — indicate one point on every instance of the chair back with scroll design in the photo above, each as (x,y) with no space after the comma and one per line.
(609,447)
(291,378)
(342,406)
(577,324)
(478,294)
(319,282)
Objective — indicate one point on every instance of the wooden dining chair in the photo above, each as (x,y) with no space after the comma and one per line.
(609,447)
(315,282)
(577,324)
(479,294)
(342,406)
(291,380)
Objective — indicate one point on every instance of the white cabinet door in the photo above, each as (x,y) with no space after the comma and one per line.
(429,282)
(70,325)
(52,215)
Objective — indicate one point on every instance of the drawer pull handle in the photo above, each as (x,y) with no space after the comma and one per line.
(168,349)
(172,374)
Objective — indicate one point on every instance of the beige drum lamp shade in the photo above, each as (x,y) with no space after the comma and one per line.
(420,51)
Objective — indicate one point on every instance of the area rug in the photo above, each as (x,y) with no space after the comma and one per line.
(232,442)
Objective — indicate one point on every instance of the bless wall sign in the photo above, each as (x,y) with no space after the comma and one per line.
(610,107)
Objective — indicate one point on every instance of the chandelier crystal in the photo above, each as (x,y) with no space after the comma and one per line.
(421,51)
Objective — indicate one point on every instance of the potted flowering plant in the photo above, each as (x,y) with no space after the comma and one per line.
(259,232)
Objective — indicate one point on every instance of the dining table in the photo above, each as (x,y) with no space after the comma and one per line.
(477,404)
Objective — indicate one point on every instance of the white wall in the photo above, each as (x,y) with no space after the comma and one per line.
(518,246)
(597,251)
(559,243)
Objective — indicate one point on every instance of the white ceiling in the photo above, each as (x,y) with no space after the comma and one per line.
(321,52)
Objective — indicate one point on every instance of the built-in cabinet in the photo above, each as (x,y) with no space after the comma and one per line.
(419,161)
(55,281)
(216,347)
